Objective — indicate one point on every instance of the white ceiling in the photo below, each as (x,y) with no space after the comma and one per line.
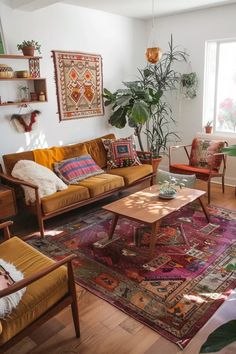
(132,8)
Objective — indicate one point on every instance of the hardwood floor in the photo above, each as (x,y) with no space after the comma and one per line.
(107,330)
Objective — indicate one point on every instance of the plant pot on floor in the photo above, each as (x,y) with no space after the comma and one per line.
(151,161)
(28,51)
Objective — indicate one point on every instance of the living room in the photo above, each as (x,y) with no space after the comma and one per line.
(118,33)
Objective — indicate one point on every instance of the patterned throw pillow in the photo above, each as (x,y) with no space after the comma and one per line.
(77,168)
(202,153)
(121,152)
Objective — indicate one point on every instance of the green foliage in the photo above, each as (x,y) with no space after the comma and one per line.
(209,123)
(30,43)
(222,336)
(230,150)
(189,84)
(143,101)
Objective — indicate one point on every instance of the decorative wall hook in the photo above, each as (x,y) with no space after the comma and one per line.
(24,122)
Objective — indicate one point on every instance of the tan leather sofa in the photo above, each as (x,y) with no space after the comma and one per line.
(86,191)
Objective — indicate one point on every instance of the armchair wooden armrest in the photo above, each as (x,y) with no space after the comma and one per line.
(185,147)
(27,281)
(5,226)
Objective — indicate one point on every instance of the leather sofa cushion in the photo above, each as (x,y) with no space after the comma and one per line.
(133,173)
(67,197)
(97,150)
(39,296)
(47,157)
(102,183)
(94,147)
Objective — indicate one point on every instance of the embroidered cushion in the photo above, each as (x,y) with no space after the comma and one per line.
(76,169)
(121,152)
(202,153)
(43,177)
(8,276)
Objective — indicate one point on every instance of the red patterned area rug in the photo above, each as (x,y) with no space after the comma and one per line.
(178,290)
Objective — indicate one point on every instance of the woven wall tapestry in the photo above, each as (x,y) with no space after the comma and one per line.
(79,84)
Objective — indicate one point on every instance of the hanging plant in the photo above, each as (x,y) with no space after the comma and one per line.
(188,84)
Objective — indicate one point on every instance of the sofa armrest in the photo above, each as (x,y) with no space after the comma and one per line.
(17,181)
(42,273)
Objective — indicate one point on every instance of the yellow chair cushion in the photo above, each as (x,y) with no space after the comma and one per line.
(61,199)
(102,183)
(40,295)
(133,173)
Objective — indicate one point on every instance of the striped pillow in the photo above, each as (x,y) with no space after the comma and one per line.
(77,168)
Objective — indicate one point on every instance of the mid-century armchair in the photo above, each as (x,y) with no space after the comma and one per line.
(50,287)
(205,159)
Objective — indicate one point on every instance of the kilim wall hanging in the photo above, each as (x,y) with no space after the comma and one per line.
(79,84)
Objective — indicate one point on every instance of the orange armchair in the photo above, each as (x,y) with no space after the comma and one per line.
(205,160)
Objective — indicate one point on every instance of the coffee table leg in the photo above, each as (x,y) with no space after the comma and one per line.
(155,230)
(113,226)
(204,209)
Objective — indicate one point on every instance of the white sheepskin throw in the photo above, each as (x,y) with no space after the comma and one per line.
(9,302)
(41,176)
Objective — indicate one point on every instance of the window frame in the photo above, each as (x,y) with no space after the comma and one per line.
(218,42)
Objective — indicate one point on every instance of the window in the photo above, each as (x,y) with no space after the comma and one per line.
(220,86)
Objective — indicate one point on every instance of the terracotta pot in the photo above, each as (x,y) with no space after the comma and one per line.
(28,51)
(152,161)
(208,130)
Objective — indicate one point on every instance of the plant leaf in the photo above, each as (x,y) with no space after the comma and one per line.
(140,112)
(221,337)
(118,118)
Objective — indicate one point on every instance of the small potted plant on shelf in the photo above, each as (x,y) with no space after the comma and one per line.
(208,127)
(28,47)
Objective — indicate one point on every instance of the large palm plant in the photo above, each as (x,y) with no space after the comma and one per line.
(143,101)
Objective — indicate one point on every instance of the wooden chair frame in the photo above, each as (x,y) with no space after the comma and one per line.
(212,173)
(36,208)
(69,299)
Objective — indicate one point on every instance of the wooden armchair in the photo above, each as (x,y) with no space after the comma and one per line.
(50,287)
(205,160)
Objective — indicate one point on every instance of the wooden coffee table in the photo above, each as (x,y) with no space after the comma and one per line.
(146,207)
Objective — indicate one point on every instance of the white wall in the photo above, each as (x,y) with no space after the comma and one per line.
(119,40)
(191,30)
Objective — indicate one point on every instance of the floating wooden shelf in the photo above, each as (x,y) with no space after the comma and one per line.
(19,103)
(39,83)
(17,56)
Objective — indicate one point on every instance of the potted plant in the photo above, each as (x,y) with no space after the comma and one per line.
(169,188)
(188,84)
(28,47)
(208,127)
(143,102)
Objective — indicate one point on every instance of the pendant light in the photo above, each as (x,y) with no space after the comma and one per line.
(153,52)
